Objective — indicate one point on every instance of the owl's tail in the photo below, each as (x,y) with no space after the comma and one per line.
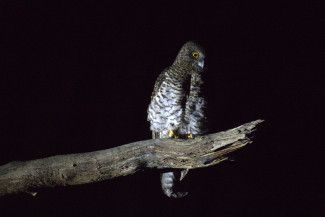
(168,181)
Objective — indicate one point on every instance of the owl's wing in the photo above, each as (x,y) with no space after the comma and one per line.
(159,81)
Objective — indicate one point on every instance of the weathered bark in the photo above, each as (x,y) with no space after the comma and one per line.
(75,169)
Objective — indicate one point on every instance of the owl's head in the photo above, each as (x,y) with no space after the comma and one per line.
(191,55)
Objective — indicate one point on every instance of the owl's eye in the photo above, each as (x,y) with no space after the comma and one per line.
(195,54)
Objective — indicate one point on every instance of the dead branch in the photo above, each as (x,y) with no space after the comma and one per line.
(76,169)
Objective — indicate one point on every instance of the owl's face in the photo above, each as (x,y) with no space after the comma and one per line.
(191,55)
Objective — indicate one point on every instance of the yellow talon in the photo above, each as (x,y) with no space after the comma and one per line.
(172,134)
(190,136)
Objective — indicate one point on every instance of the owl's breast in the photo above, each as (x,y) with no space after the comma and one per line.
(165,110)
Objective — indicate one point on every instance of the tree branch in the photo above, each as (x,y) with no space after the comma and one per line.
(76,169)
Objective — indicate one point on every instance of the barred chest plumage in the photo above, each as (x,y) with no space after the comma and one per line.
(177,104)
(166,110)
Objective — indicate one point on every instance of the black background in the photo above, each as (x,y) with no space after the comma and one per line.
(77,77)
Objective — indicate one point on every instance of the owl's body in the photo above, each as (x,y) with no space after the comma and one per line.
(177,106)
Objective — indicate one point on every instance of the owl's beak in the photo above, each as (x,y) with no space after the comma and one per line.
(201,63)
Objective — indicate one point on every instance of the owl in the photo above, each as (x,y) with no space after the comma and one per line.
(176,109)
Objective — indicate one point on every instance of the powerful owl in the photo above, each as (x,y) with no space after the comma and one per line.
(177,106)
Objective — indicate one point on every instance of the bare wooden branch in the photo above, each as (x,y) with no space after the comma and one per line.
(76,169)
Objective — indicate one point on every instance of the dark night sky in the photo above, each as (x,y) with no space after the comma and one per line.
(77,77)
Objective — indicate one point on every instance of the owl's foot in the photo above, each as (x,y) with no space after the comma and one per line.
(172,134)
(190,136)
